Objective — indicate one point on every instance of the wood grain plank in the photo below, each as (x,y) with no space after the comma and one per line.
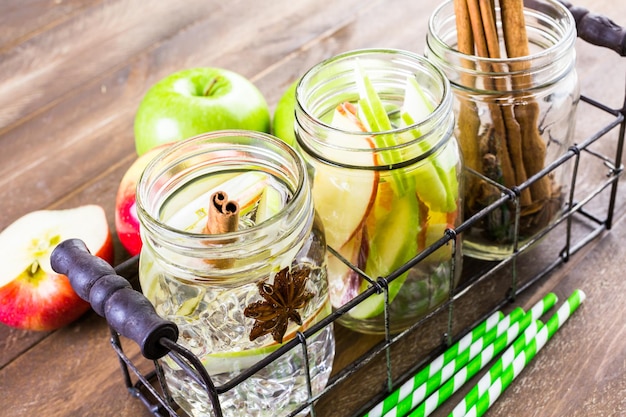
(55,62)
(47,160)
(77,374)
(23,19)
(101,112)
(581,371)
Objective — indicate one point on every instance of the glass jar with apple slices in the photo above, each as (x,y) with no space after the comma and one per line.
(375,127)
(234,254)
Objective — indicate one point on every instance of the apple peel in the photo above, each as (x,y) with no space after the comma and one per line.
(34,296)
(342,199)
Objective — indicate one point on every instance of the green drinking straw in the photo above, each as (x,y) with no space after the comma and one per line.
(483,384)
(514,369)
(494,372)
(438,363)
(503,337)
(464,374)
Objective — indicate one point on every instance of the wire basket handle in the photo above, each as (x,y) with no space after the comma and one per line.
(111,296)
(597,29)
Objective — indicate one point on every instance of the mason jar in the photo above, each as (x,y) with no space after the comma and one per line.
(234,254)
(515,116)
(375,127)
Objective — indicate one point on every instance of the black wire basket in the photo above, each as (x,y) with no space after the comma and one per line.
(587,214)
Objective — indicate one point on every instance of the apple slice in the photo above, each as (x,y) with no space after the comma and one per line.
(416,103)
(436,184)
(346,283)
(343,198)
(374,115)
(271,203)
(393,243)
(34,297)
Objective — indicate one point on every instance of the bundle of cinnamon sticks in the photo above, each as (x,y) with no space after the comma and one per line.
(511,149)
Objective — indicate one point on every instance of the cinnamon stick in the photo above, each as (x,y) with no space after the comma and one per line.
(223,217)
(488,17)
(516,44)
(482,50)
(468,120)
(513,128)
(514,28)
(465,40)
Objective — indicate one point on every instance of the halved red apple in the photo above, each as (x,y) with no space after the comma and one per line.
(34,297)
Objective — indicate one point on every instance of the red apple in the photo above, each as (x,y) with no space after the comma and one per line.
(34,297)
(126,220)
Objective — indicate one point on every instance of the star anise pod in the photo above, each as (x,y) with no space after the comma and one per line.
(281,302)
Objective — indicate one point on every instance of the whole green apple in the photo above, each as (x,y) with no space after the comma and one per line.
(284,115)
(198,100)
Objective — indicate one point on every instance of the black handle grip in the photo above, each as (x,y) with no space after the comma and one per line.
(126,310)
(598,30)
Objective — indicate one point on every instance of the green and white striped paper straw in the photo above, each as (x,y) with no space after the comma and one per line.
(464,374)
(521,360)
(494,372)
(506,334)
(483,384)
(439,362)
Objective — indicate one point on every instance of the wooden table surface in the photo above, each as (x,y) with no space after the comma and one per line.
(72,73)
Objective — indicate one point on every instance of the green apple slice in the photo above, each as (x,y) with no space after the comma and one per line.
(270,204)
(392,243)
(436,186)
(372,108)
(432,233)
(373,114)
(226,362)
(416,103)
(343,198)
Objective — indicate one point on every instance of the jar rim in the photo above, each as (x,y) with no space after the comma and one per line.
(175,151)
(433,69)
(414,63)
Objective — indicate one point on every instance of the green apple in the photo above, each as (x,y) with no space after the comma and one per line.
(284,115)
(198,100)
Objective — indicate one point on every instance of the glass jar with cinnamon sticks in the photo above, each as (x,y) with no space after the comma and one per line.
(234,254)
(375,127)
(512,68)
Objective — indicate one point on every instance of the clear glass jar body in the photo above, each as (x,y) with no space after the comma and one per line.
(211,284)
(514,117)
(382,203)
